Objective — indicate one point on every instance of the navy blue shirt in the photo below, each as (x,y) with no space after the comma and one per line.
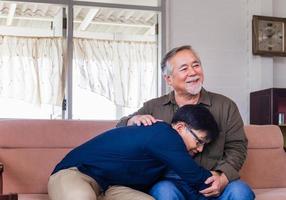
(135,156)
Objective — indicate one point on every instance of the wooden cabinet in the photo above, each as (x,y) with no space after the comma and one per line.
(268,107)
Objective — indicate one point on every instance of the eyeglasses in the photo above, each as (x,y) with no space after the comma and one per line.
(199,142)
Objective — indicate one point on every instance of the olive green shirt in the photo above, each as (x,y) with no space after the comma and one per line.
(228,152)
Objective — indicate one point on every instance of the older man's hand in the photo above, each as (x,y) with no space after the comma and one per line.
(218,183)
(146,120)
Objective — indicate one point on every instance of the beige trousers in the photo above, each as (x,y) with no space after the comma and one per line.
(71,184)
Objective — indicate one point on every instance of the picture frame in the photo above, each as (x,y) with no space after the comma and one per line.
(268,36)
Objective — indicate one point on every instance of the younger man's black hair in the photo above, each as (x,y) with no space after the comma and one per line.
(197,117)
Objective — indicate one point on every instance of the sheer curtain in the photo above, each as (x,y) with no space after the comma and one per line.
(31,69)
(122,71)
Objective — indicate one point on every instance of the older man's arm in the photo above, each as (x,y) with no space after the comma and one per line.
(235,151)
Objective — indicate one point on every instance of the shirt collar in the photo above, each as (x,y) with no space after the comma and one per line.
(204,98)
(170,98)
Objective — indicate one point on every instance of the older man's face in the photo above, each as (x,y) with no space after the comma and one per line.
(187,74)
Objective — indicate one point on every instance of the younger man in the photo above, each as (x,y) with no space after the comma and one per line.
(137,157)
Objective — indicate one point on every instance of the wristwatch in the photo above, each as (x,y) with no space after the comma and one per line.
(219,172)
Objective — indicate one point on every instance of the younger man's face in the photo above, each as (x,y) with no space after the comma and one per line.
(196,140)
(193,139)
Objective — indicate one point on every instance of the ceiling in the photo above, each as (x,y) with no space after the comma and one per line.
(36,19)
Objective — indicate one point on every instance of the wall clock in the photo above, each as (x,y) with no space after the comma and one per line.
(268,36)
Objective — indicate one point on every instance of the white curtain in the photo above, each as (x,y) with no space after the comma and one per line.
(124,72)
(31,69)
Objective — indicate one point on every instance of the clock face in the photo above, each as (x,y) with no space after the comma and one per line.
(270,36)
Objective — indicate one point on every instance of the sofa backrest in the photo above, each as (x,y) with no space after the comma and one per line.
(265,166)
(30,149)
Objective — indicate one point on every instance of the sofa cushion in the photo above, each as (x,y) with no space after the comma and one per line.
(265,168)
(33,197)
(270,194)
(27,170)
(49,133)
(30,149)
(265,164)
(264,136)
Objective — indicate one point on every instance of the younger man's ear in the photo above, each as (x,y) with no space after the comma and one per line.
(179,126)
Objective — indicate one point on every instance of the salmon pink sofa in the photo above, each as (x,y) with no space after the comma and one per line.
(29,150)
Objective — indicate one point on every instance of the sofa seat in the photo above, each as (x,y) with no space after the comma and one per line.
(271,193)
(33,197)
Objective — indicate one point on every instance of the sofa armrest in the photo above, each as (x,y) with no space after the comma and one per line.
(1,178)
(9,197)
(12,196)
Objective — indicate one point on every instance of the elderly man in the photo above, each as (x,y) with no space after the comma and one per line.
(182,70)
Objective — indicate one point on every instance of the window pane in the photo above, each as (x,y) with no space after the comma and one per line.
(31,60)
(115,61)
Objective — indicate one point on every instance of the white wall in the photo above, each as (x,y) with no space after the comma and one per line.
(279,67)
(220,31)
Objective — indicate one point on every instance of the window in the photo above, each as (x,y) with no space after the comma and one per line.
(31,60)
(115,61)
(111,71)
